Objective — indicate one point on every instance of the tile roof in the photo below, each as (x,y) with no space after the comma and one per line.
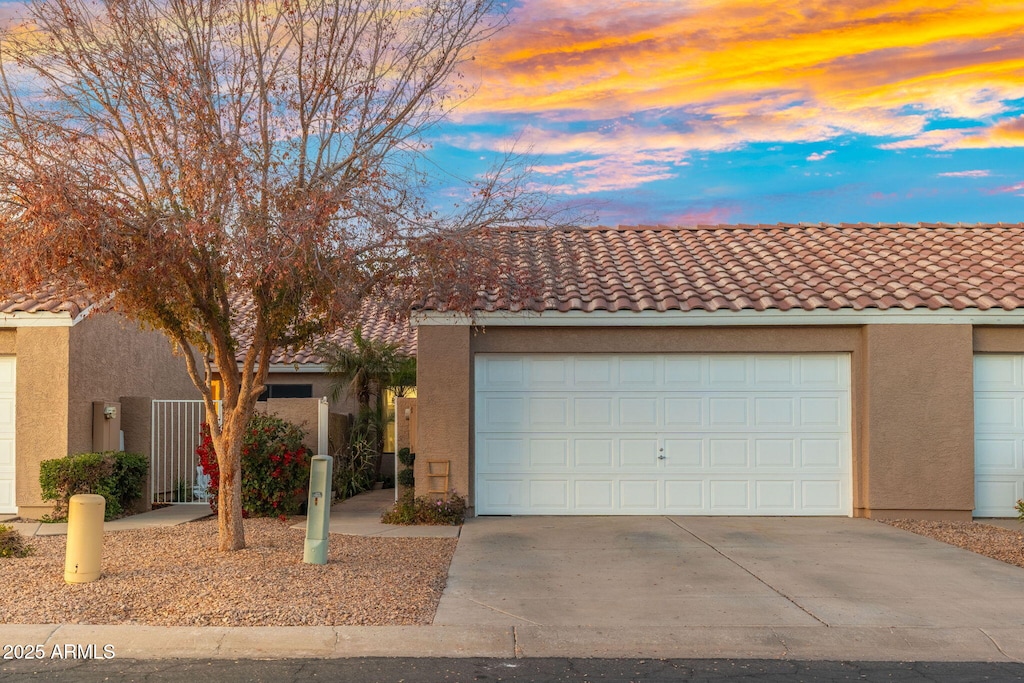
(46,299)
(377,324)
(760,267)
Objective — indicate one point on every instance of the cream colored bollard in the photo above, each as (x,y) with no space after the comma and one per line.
(84,553)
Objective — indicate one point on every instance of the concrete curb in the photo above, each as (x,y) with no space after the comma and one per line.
(329,642)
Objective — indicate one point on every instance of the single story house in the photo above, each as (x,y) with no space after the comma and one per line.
(67,370)
(62,373)
(852,370)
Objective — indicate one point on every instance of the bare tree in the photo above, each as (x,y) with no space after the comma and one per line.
(188,155)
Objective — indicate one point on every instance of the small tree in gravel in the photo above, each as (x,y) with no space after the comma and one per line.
(241,174)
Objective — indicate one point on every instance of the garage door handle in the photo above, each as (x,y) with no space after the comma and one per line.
(661,457)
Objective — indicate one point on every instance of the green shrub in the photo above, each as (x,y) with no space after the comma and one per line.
(275,467)
(427,510)
(12,544)
(406,478)
(117,476)
(406,457)
(1020,511)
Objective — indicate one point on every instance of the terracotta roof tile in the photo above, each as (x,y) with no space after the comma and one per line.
(758,267)
(376,324)
(46,299)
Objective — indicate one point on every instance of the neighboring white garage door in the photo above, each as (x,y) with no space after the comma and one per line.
(7,504)
(998,434)
(663,434)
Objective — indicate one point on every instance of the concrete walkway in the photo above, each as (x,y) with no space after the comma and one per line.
(690,587)
(172,515)
(360,516)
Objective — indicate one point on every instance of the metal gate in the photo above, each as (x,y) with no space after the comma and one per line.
(175,472)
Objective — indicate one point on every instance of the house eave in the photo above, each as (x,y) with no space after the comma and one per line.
(730,318)
(41,319)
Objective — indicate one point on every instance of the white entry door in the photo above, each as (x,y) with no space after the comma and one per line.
(7,382)
(721,434)
(998,434)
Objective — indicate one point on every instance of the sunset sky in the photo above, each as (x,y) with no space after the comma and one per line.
(709,111)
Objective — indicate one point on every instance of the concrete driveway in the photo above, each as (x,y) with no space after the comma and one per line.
(798,576)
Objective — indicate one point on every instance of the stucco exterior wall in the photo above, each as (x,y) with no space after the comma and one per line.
(41,410)
(7,338)
(302,412)
(919,421)
(999,339)
(112,357)
(444,391)
(912,397)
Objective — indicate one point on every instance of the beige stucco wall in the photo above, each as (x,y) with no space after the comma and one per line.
(112,357)
(444,401)
(918,429)
(62,371)
(7,342)
(41,410)
(302,412)
(999,339)
(912,397)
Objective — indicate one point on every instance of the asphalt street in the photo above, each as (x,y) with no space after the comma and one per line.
(479,670)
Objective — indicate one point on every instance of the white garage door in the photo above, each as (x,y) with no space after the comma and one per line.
(7,504)
(998,434)
(663,434)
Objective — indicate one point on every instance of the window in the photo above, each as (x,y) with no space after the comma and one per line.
(286,391)
(389,407)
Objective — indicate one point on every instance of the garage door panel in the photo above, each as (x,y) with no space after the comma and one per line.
(592,372)
(727,412)
(775,495)
(997,412)
(683,373)
(594,412)
(682,445)
(731,496)
(594,453)
(639,454)
(684,412)
(550,374)
(998,373)
(728,453)
(548,412)
(595,496)
(775,453)
(997,454)
(549,453)
(685,496)
(684,454)
(502,414)
(998,434)
(640,372)
(825,496)
(775,412)
(639,496)
(821,453)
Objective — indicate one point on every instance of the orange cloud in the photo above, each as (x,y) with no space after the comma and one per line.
(735,72)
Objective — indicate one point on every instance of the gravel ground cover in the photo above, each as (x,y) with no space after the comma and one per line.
(174,576)
(991,541)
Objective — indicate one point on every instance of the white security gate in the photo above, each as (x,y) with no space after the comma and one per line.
(998,434)
(686,434)
(175,471)
(7,406)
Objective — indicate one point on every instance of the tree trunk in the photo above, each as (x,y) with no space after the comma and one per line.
(230,532)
